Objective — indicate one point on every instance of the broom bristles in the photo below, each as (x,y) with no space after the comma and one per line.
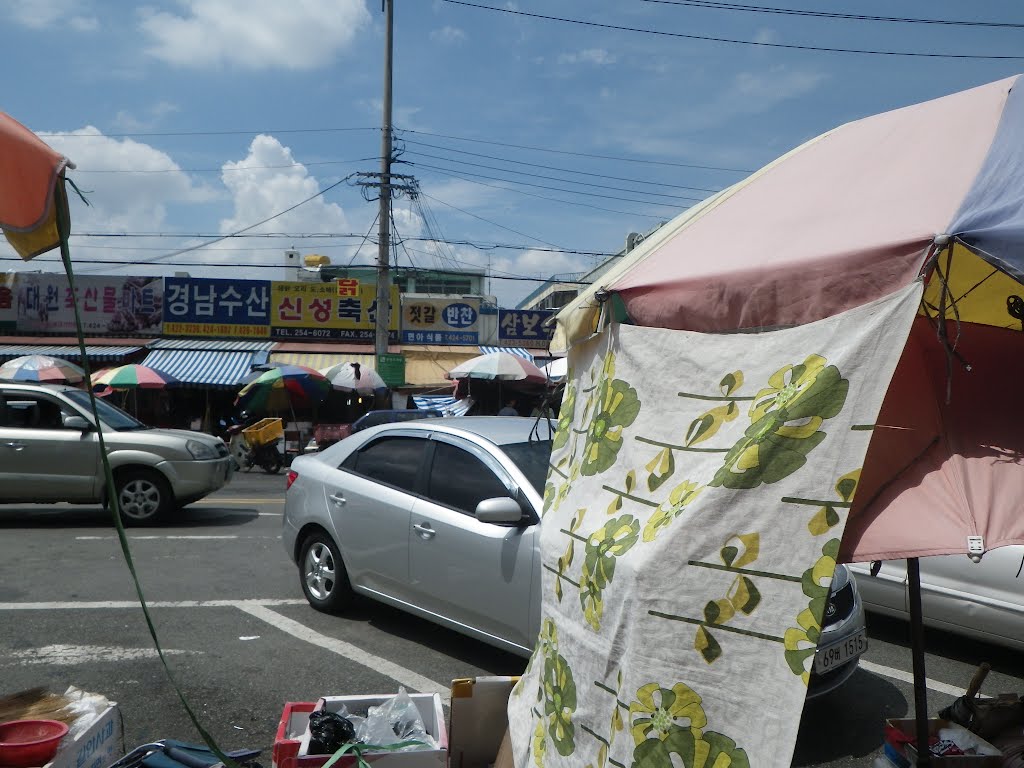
(36,704)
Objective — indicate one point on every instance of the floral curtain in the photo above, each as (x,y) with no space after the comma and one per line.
(697,495)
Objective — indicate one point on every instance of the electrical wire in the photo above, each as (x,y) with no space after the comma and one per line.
(555,178)
(831,15)
(618,158)
(557,200)
(733,41)
(79,170)
(550,167)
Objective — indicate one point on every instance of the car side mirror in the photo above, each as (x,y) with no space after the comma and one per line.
(77,422)
(499,510)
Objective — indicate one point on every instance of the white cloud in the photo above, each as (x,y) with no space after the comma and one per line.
(255,34)
(129,123)
(128,184)
(596,56)
(448,35)
(260,188)
(40,14)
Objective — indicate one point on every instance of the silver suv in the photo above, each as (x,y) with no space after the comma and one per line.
(49,452)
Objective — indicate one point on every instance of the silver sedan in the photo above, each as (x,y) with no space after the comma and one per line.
(441,518)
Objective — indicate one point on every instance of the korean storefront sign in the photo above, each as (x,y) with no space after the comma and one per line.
(441,321)
(524,327)
(107,305)
(8,302)
(343,310)
(197,306)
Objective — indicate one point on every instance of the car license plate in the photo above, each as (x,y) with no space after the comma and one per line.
(837,654)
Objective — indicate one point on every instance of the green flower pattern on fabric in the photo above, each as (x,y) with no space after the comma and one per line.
(671,508)
(827,518)
(618,406)
(743,595)
(785,417)
(667,725)
(613,539)
(801,641)
(556,695)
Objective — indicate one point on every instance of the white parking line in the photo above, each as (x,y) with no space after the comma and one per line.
(908,677)
(149,538)
(261,609)
(399,674)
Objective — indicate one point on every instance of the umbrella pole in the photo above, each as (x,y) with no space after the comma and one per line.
(917,652)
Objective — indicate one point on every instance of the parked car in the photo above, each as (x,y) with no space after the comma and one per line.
(422,516)
(385,416)
(49,453)
(979,600)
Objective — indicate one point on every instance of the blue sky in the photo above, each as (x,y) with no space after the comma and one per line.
(191,119)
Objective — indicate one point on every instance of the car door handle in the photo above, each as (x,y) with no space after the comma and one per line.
(15,446)
(338,499)
(424,530)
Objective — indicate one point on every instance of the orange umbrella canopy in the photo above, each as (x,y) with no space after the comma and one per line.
(30,195)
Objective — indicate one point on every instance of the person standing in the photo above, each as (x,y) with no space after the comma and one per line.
(509,409)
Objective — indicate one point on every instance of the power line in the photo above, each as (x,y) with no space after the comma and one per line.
(236,265)
(487,221)
(617,158)
(550,167)
(831,15)
(555,199)
(200,133)
(225,170)
(734,41)
(556,178)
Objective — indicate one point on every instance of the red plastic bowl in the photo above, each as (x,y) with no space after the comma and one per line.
(28,743)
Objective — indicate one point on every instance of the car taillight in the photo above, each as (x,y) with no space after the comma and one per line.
(290,478)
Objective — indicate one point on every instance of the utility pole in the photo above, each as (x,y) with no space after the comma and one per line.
(384,225)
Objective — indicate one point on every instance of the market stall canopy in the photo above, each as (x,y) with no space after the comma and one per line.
(354,377)
(42,368)
(933,190)
(282,388)
(132,376)
(499,366)
(30,195)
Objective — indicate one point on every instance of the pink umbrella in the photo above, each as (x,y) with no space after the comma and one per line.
(499,366)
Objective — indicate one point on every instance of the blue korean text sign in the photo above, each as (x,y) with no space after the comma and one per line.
(522,327)
(197,306)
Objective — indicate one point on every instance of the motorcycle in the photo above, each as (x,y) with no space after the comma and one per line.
(246,454)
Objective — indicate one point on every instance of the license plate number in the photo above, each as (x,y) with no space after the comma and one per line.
(834,655)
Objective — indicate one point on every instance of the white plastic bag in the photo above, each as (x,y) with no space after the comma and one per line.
(396,720)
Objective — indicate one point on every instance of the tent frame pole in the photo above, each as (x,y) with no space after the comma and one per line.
(917,652)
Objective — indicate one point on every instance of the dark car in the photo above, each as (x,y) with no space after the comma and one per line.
(376,418)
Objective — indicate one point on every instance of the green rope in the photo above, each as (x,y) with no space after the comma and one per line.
(64,229)
(358,750)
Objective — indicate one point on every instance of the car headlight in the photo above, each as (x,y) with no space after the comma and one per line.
(201,451)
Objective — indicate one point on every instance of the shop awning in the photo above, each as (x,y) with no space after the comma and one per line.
(95,354)
(321,360)
(426,366)
(524,353)
(205,368)
(216,345)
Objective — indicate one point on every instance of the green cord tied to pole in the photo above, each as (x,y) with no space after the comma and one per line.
(358,749)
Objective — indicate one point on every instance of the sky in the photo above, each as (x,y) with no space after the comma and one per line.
(210,136)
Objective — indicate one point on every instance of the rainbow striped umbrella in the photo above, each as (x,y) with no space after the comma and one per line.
(280,388)
(41,368)
(132,376)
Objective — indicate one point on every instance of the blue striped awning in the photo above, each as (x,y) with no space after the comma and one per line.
(204,368)
(69,352)
(510,350)
(426,402)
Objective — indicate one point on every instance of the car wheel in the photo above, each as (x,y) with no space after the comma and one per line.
(322,573)
(272,463)
(143,496)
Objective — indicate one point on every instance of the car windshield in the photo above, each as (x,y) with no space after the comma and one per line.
(532,458)
(111,415)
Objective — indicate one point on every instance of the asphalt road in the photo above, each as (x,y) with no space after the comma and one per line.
(241,641)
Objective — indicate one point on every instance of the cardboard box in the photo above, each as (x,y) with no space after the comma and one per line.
(909,729)
(288,753)
(100,745)
(479,719)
